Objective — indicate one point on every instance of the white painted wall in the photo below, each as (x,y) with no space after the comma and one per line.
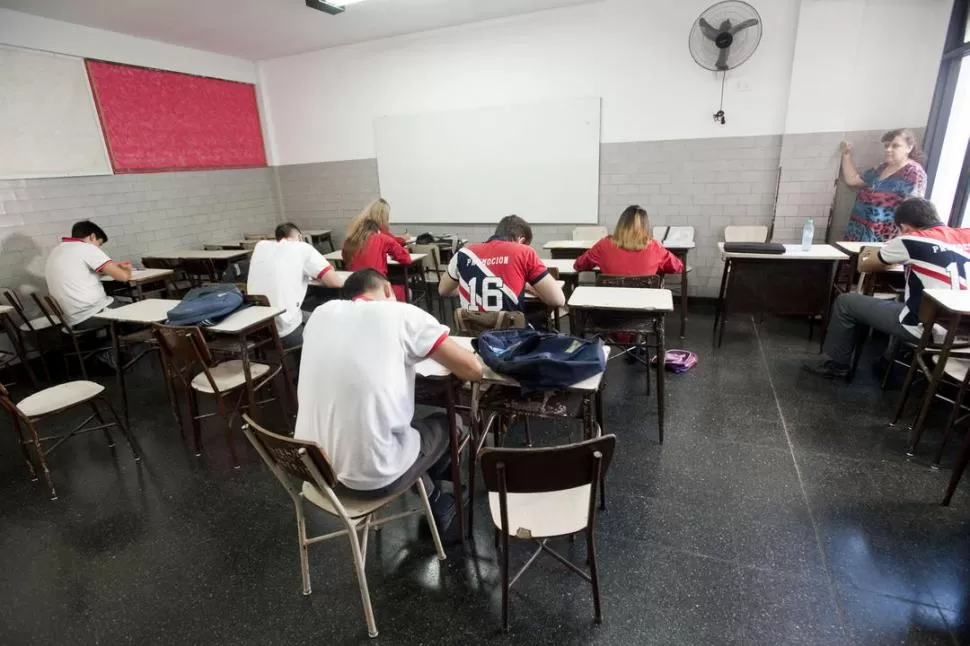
(25,30)
(865,64)
(632,53)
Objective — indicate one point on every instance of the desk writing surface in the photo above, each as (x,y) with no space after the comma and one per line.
(242,319)
(564,266)
(337,256)
(212,254)
(637,299)
(955,300)
(792,252)
(150,310)
(431,368)
(854,247)
(673,245)
(141,275)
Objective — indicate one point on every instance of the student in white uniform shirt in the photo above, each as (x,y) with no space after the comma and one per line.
(356,391)
(280,271)
(73,272)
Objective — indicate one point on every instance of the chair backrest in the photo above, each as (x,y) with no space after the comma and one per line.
(18,306)
(257,236)
(185,351)
(654,281)
(659,232)
(249,244)
(473,323)
(590,233)
(9,404)
(676,234)
(554,272)
(735,233)
(431,263)
(52,310)
(286,455)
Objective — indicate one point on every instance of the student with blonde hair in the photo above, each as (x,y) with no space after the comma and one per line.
(631,250)
(369,243)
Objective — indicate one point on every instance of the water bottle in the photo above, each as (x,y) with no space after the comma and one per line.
(808,233)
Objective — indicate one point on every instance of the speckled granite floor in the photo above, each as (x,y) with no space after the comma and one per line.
(780,510)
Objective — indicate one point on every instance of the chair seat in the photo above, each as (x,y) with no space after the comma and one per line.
(39,323)
(228,375)
(59,397)
(539,515)
(356,507)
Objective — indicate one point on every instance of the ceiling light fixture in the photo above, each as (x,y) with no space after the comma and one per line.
(333,7)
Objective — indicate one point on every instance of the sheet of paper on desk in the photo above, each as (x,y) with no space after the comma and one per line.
(679,235)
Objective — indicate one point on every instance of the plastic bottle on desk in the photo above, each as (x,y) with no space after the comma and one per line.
(808,234)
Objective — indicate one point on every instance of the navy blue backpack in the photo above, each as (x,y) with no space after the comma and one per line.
(541,361)
(206,305)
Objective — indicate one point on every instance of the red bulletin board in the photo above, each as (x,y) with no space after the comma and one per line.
(161,121)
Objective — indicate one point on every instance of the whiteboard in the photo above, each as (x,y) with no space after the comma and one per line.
(538,161)
(48,123)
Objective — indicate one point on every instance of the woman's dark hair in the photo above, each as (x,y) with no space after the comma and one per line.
(363,280)
(916,154)
(916,212)
(84,228)
(511,228)
(284,230)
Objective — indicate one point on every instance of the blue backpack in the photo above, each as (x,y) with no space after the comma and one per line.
(206,305)
(541,361)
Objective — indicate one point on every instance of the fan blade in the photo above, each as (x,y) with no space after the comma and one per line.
(722,57)
(708,31)
(750,22)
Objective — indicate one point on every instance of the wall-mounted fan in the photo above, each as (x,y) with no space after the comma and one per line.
(723,37)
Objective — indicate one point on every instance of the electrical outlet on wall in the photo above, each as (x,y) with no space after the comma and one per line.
(743,86)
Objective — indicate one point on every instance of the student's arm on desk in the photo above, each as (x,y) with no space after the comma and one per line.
(448,282)
(462,363)
(118,271)
(549,291)
(893,253)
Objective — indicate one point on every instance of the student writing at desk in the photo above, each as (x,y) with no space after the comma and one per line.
(280,270)
(492,276)
(631,250)
(369,243)
(72,273)
(936,257)
(356,392)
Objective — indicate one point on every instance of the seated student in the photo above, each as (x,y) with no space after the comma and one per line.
(280,270)
(73,272)
(356,392)
(493,276)
(936,257)
(369,243)
(631,250)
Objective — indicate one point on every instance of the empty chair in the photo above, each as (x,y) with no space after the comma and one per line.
(305,472)
(736,233)
(33,409)
(56,318)
(590,233)
(538,494)
(431,270)
(31,330)
(189,362)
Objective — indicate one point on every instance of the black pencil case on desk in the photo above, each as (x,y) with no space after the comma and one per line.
(754,247)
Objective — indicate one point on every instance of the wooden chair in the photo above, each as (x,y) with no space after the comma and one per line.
(32,410)
(538,494)
(305,472)
(31,331)
(191,365)
(735,233)
(590,233)
(76,338)
(431,271)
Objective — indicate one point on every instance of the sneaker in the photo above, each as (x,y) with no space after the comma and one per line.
(828,369)
(443,509)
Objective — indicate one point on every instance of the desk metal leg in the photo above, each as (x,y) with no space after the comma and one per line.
(455,446)
(683,299)
(917,431)
(287,377)
(19,349)
(911,373)
(720,311)
(120,371)
(661,374)
(247,372)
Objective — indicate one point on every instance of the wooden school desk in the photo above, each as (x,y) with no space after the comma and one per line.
(317,237)
(140,280)
(628,310)
(795,283)
(245,323)
(143,312)
(572,249)
(590,390)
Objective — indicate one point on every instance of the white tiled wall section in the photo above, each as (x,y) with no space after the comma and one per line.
(141,214)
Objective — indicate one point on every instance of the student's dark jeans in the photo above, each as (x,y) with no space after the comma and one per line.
(852,310)
(293,339)
(94,322)
(433,456)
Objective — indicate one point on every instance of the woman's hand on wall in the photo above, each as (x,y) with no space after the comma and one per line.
(846,147)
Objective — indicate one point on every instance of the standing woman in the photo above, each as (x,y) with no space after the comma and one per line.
(899,176)
(368,243)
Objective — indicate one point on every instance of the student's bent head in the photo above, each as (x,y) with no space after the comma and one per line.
(368,283)
(632,231)
(288,231)
(89,232)
(915,213)
(514,229)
